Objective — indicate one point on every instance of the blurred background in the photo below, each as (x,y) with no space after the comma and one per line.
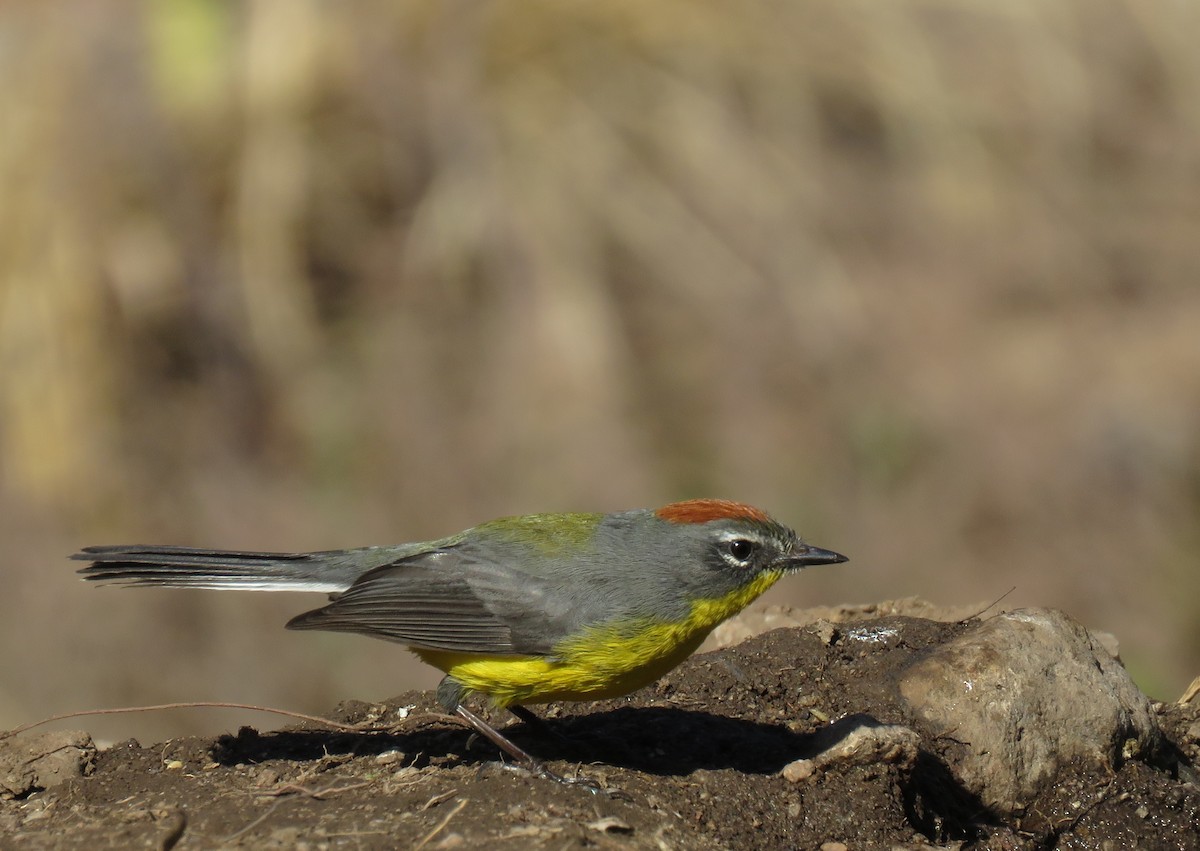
(921,278)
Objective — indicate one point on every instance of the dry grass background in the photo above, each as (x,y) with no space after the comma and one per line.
(920,277)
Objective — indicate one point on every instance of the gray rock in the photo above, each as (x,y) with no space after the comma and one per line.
(38,762)
(1028,692)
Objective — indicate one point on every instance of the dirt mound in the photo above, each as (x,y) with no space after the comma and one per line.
(821,736)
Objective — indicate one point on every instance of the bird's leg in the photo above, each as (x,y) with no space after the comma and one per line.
(533,765)
(498,739)
(450,693)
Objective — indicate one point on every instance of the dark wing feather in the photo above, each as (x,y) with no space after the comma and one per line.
(433,600)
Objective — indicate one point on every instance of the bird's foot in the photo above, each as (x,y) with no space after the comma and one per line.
(539,770)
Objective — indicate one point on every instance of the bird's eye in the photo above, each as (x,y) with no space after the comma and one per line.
(741,549)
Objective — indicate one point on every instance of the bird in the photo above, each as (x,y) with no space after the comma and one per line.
(522,610)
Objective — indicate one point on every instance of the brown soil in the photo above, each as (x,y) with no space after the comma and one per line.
(693,762)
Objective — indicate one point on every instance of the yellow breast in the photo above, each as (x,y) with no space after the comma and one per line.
(602,662)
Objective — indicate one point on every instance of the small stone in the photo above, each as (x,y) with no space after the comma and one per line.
(268,775)
(286,837)
(834,846)
(38,815)
(798,771)
(856,740)
(522,831)
(173,764)
(826,632)
(610,824)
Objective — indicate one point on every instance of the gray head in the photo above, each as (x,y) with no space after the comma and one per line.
(703,549)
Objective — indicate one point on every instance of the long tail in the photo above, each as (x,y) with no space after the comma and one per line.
(185,567)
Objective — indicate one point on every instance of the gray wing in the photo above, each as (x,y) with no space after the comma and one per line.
(443,600)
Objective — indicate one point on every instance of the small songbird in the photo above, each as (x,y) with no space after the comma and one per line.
(524,610)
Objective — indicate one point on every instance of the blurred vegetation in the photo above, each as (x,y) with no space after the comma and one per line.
(919,277)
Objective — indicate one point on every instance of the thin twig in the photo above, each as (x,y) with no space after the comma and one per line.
(318,794)
(274,806)
(438,799)
(203,704)
(1190,692)
(989,605)
(440,825)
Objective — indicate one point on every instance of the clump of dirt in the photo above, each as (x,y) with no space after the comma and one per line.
(792,739)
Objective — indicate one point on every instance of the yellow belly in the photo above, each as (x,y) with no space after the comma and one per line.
(603,662)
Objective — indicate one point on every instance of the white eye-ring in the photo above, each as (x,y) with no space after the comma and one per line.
(739,549)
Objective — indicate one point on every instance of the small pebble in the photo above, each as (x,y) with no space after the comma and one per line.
(801,769)
(610,824)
